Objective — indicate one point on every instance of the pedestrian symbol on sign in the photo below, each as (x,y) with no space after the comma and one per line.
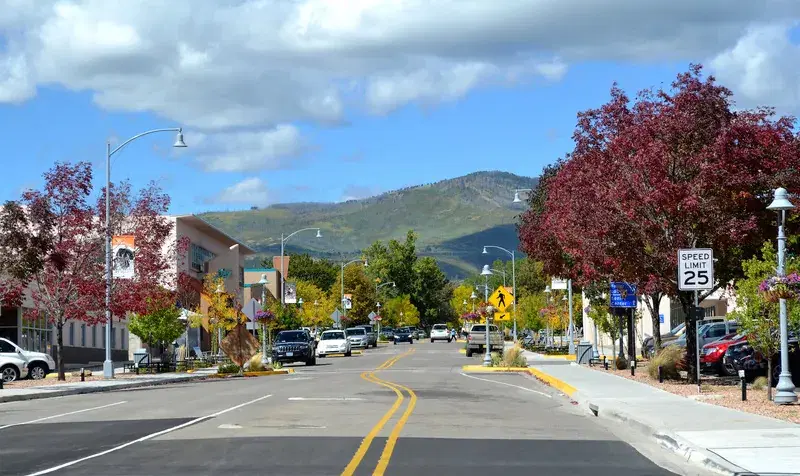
(502,299)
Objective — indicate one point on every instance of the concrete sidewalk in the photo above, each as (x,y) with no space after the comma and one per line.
(10,394)
(718,438)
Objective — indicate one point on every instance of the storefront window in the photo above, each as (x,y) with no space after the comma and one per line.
(36,335)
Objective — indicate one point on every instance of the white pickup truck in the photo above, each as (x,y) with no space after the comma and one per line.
(476,340)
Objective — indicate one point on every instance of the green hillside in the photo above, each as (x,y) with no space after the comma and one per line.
(453,218)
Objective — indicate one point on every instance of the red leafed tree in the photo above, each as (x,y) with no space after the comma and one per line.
(58,249)
(676,169)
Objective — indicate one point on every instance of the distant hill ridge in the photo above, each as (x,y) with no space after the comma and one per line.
(453,218)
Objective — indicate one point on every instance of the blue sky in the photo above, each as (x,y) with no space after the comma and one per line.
(398,126)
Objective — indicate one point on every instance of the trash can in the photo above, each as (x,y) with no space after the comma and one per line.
(583,353)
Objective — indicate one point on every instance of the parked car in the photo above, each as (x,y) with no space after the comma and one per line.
(440,332)
(372,335)
(333,342)
(294,346)
(713,353)
(403,334)
(476,341)
(12,368)
(421,334)
(709,333)
(358,337)
(754,364)
(39,364)
(387,333)
(648,344)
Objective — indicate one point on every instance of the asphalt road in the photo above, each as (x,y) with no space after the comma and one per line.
(419,415)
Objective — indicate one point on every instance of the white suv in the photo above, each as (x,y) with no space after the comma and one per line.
(440,332)
(39,363)
(12,368)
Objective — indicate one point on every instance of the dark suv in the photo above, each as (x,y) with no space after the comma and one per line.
(294,346)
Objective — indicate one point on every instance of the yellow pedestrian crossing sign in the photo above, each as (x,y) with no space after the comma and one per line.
(501,299)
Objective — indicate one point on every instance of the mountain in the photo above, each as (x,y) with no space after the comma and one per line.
(454,218)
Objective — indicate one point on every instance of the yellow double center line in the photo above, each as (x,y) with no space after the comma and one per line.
(388,449)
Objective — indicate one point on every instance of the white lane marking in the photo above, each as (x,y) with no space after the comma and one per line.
(507,384)
(299,378)
(147,437)
(228,426)
(61,415)
(325,399)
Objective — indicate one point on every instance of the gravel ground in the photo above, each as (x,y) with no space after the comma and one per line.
(726,394)
(27,383)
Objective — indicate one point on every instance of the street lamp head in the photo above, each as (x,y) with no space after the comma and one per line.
(547,289)
(263,280)
(516,198)
(465,302)
(473,296)
(366,264)
(564,298)
(484,251)
(378,305)
(315,302)
(299,301)
(486,271)
(179,143)
(319,233)
(781,201)
(394,285)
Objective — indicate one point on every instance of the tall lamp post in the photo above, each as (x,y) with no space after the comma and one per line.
(785,389)
(547,292)
(108,364)
(513,276)
(487,356)
(366,264)
(263,282)
(473,297)
(283,242)
(377,287)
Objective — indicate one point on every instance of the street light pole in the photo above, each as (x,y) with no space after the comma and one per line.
(784,391)
(513,269)
(283,241)
(571,323)
(344,308)
(263,282)
(487,356)
(108,363)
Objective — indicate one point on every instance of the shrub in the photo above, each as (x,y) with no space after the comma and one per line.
(669,359)
(760,383)
(621,363)
(513,357)
(254,364)
(228,368)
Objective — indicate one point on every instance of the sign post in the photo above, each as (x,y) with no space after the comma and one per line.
(696,273)
(623,296)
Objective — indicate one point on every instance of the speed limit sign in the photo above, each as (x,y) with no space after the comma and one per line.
(695,269)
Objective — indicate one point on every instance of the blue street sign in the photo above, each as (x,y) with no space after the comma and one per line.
(623,294)
(661,318)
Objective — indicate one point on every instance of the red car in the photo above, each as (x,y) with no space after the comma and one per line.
(712,353)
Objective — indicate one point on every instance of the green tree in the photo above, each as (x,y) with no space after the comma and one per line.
(357,283)
(317,305)
(399,311)
(158,328)
(431,292)
(394,262)
(321,272)
(461,295)
(758,318)
(529,311)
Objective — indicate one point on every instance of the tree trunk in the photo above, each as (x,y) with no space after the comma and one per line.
(653,305)
(59,353)
(687,304)
(769,378)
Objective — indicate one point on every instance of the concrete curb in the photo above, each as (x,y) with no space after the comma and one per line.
(666,439)
(559,385)
(81,391)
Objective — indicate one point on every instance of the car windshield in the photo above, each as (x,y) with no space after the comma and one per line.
(367,328)
(332,335)
(357,331)
(440,327)
(292,336)
(678,328)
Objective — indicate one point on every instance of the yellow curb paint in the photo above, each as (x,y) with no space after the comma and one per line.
(559,356)
(558,384)
(462,351)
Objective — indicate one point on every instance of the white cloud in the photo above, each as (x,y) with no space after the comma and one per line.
(247,151)
(251,192)
(762,69)
(255,64)
(356,192)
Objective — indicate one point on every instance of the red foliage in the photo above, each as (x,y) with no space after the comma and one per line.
(676,169)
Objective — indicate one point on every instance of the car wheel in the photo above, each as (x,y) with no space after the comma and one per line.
(9,373)
(37,371)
